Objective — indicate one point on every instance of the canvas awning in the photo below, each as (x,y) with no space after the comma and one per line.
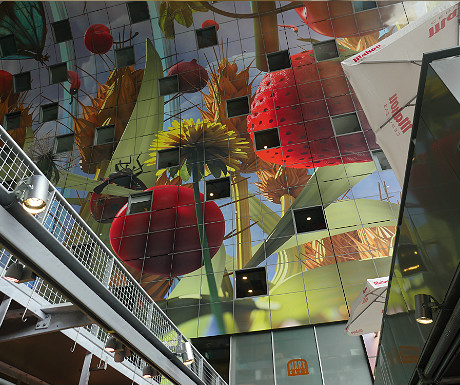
(367,309)
(385,78)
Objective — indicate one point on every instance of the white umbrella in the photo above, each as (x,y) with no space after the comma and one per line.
(367,309)
(385,78)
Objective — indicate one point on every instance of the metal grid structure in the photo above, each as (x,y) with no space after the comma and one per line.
(64,223)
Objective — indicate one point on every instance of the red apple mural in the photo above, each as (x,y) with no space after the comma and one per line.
(165,240)
(210,23)
(294,101)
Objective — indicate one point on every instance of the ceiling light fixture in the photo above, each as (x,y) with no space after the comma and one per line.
(424,304)
(150,372)
(18,273)
(33,193)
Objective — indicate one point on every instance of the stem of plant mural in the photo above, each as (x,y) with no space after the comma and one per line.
(288,264)
(216,307)
(242,219)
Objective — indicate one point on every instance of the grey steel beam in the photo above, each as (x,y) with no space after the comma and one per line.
(84,377)
(33,244)
(4,306)
(51,323)
(19,375)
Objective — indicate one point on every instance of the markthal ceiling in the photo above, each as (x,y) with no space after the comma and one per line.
(240,105)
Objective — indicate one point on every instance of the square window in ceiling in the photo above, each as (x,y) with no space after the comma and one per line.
(138,11)
(49,112)
(12,120)
(251,282)
(58,73)
(309,219)
(206,37)
(8,46)
(345,124)
(64,143)
(104,134)
(62,31)
(278,60)
(265,139)
(237,107)
(359,6)
(21,82)
(217,188)
(168,85)
(124,57)
(381,160)
(140,203)
(168,158)
(325,50)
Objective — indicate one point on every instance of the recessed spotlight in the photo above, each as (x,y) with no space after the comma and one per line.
(308,218)
(211,194)
(244,277)
(250,291)
(415,252)
(265,147)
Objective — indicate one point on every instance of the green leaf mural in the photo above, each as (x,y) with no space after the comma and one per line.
(146,119)
(333,182)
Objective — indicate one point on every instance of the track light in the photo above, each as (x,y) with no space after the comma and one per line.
(33,193)
(424,304)
(112,345)
(149,372)
(18,273)
(121,355)
(187,354)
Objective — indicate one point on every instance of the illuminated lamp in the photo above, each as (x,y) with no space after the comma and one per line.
(424,304)
(18,273)
(33,193)
(149,372)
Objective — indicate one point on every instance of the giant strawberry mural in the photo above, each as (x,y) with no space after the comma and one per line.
(294,101)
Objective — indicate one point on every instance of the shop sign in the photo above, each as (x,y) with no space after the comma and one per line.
(297,367)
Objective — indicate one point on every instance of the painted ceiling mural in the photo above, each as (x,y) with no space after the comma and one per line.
(111,128)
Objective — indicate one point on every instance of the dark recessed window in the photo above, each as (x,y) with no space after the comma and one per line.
(217,188)
(237,107)
(359,6)
(380,160)
(8,46)
(278,60)
(265,139)
(124,57)
(64,143)
(325,50)
(250,282)
(21,82)
(168,85)
(104,134)
(345,124)
(49,112)
(410,259)
(168,158)
(206,37)
(138,11)
(58,73)
(61,31)
(309,219)
(140,203)
(12,120)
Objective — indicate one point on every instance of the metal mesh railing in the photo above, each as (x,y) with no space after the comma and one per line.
(64,223)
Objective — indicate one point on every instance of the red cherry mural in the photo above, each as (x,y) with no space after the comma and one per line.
(210,23)
(74,80)
(294,101)
(192,76)
(167,235)
(6,83)
(98,39)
